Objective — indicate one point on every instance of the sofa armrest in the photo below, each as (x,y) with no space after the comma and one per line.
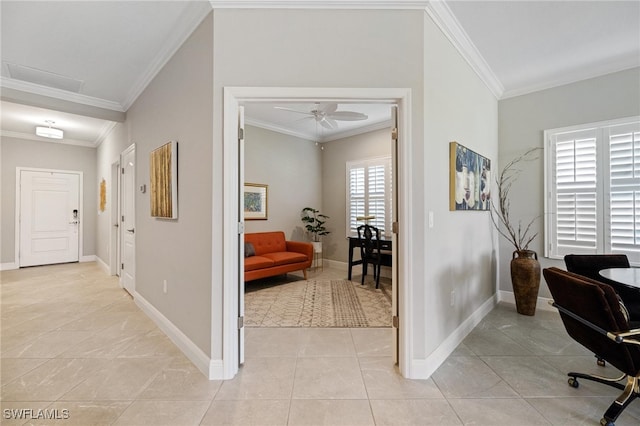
(300,247)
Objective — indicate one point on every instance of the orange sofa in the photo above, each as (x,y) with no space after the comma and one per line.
(268,254)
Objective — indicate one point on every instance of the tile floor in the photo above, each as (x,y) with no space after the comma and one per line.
(75,345)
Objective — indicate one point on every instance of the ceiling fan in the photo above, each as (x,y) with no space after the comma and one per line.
(327,115)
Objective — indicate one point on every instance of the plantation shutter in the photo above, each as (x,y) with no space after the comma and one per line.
(593,189)
(623,235)
(369,194)
(576,192)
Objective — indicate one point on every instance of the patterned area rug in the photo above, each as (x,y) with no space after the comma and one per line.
(318,303)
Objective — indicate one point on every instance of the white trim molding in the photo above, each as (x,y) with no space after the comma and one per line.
(542,303)
(424,368)
(232,98)
(8,266)
(441,14)
(319,4)
(210,368)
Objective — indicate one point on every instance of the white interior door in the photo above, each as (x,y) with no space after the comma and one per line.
(49,217)
(127,219)
(114,217)
(241,233)
(396,247)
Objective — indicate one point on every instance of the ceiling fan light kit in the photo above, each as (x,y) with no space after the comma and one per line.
(49,132)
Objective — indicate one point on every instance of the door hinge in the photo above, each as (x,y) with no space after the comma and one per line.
(395,321)
(122,266)
(123,219)
(240,134)
(123,170)
(240,322)
(394,133)
(240,228)
(394,227)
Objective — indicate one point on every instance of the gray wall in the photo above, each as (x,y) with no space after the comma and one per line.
(292,168)
(334,179)
(108,152)
(178,105)
(522,122)
(46,155)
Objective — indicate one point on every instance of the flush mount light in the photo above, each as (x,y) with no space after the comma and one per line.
(49,132)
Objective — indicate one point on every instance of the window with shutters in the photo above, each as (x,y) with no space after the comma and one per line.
(369,194)
(593,189)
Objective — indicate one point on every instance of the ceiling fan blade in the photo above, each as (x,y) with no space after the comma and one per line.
(348,115)
(328,123)
(293,110)
(328,108)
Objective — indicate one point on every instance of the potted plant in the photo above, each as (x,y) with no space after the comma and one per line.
(525,268)
(314,224)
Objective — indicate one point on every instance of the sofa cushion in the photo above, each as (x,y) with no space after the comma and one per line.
(285,257)
(267,242)
(257,262)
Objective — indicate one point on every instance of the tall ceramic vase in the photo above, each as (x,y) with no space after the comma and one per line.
(525,278)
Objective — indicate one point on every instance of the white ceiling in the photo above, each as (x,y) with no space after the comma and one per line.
(101,54)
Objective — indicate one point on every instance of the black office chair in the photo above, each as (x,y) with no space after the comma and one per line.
(592,315)
(369,242)
(589,265)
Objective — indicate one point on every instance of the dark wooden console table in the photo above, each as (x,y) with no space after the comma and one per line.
(385,244)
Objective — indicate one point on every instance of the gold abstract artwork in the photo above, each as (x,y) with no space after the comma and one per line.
(103,195)
(163,173)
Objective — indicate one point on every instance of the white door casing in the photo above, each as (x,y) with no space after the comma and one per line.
(114,220)
(394,219)
(48,204)
(241,235)
(128,219)
(233,97)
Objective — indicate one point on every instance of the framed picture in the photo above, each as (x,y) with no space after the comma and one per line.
(255,201)
(163,173)
(469,179)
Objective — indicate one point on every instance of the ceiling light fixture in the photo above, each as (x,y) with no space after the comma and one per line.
(49,132)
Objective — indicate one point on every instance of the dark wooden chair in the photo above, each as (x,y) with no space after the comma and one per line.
(369,242)
(592,315)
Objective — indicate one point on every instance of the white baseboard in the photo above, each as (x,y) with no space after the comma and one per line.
(90,258)
(424,368)
(103,266)
(210,368)
(541,305)
(8,266)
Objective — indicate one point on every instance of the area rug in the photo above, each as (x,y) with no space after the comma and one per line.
(318,303)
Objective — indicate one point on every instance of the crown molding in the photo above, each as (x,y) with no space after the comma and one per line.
(29,136)
(443,17)
(64,95)
(279,129)
(186,25)
(104,132)
(319,4)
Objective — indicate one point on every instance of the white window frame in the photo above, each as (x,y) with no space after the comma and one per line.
(602,243)
(351,231)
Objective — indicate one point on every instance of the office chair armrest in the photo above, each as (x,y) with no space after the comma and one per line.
(616,336)
(625,334)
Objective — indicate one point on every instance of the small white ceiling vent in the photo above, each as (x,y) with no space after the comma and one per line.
(44,78)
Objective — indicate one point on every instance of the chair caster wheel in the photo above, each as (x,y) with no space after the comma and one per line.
(605,422)
(573,382)
(601,362)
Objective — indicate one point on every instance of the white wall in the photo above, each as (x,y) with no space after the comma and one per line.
(297,48)
(292,168)
(460,249)
(46,155)
(524,119)
(178,105)
(108,152)
(334,179)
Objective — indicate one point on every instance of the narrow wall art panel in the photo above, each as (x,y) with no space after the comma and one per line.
(469,179)
(164,181)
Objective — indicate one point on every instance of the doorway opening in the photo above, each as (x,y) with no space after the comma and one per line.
(233,282)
